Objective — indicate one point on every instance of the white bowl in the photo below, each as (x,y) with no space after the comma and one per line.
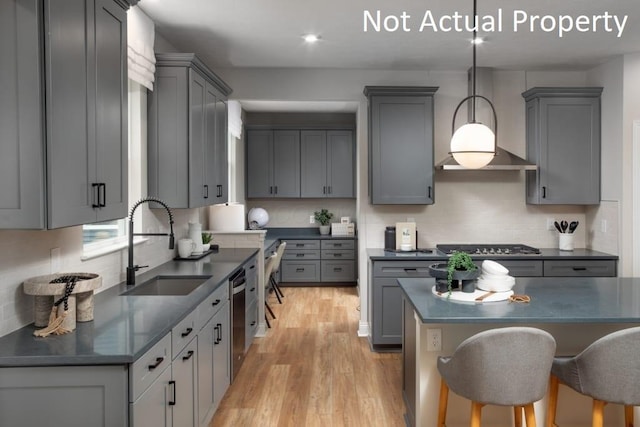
(496,277)
(493,267)
(495,285)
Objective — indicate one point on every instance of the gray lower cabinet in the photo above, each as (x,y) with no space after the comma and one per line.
(401,163)
(251,302)
(82,396)
(409,346)
(187,165)
(327,163)
(78,91)
(273,163)
(221,354)
(313,260)
(563,139)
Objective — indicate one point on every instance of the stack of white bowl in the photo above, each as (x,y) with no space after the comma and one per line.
(495,277)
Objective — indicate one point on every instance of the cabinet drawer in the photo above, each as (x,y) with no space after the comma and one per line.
(251,318)
(338,271)
(183,333)
(251,293)
(302,244)
(577,268)
(401,269)
(211,305)
(337,244)
(301,254)
(300,271)
(149,367)
(337,254)
(522,268)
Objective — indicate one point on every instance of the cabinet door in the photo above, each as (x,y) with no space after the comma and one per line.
(340,164)
(570,150)
(387,312)
(221,168)
(152,408)
(313,163)
(206,338)
(221,354)
(22,149)
(210,145)
(111,110)
(401,150)
(259,163)
(185,382)
(198,160)
(71,112)
(286,163)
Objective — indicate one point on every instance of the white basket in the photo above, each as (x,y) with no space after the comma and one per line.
(338,229)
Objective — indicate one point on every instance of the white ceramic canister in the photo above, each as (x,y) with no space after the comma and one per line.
(195,234)
(565,241)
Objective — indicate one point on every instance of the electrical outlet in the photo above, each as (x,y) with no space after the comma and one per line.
(434,339)
(56,265)
(312,219)
(550,225)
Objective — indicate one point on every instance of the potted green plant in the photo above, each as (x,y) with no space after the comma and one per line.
(206,241)
(460,268)
(323,216)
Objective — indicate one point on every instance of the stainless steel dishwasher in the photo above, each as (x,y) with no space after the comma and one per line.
(237,284)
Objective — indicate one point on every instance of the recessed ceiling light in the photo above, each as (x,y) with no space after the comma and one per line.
(311,38)
(477,40)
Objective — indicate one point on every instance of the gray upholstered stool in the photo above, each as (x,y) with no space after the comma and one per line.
(608,371)
(506,366)
(276,266)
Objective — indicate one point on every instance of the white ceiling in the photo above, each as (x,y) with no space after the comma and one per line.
(267,33)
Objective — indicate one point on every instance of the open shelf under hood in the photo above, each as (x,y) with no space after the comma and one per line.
(503,160)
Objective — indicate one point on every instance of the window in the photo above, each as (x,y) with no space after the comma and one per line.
(108,236)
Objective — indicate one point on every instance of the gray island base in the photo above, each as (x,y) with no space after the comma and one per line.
(576,311)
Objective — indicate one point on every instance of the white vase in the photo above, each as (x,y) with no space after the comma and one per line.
(195,234)
(325,229)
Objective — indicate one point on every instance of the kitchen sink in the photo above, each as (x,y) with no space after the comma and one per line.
(168,286)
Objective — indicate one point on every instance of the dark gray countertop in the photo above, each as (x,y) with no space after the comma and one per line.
(553,300)
(276,234)
(124,327)
(378,254)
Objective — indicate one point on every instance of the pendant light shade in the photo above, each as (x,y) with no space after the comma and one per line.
(473,145)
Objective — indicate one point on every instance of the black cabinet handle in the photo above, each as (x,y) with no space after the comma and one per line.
(102,200)
(172,384)
(299,245)
(337,255)
(188,356)
(270,190)
(410,270)
(253,323)
(275,189)
(216,302)
(330,190)
(252,267)
(216,340)
(219,326)
(96,195)
(299,255)
(299,270)
(252,289)
(324,189)
(337,245)
(579,268)
(429,192)
(337,269)
(219,187)
(544,192)
(206,191)
(155,365)
(186,332)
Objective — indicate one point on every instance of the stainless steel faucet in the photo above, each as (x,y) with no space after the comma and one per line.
(131,269)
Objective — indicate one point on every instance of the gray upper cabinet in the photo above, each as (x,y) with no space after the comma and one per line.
(273,163)
(187,164)
(563,139)
(326,162)
(80,67)
(22,197)
(401,144)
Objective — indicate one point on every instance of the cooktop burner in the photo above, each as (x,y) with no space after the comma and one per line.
(497,249)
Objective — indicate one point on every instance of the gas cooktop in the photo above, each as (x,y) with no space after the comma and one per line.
(498,249)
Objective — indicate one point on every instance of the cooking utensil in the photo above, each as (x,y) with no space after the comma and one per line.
(558,227)
(573,226)
(564,225)
(483,296)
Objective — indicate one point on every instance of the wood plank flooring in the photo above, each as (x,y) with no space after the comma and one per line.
(313,370)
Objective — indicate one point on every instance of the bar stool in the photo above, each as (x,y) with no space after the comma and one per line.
(276,268)
(608,371)
(506,366)
(268,269)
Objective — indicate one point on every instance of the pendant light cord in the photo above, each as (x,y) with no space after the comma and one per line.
(473,68)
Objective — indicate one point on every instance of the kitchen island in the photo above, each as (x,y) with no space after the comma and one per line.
(576,311)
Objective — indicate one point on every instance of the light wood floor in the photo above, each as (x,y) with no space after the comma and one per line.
(313,370)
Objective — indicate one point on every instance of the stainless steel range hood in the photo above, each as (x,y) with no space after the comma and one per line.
(503,160)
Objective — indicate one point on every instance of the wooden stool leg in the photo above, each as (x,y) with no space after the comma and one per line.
(628,416)
(517,416)
(553,401)
(598,413)
(476,414)
(530,415)
(442,405)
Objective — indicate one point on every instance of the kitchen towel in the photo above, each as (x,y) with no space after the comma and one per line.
(226,217)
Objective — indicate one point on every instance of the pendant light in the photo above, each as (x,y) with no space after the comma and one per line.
(473,145)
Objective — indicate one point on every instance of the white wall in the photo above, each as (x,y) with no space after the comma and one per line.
(470,206)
